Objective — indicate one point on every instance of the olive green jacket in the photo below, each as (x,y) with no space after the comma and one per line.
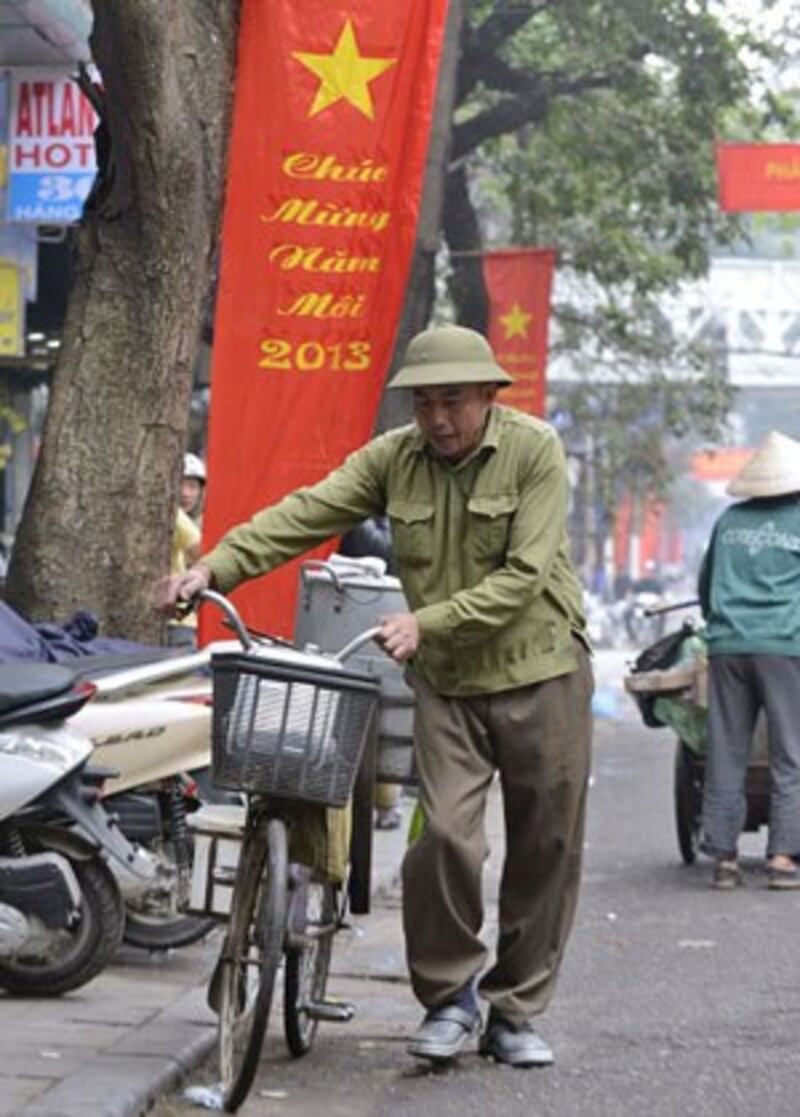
(480,548)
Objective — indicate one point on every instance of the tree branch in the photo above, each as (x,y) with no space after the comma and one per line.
(485,40)
(531,107)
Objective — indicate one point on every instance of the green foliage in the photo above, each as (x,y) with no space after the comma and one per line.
(591,126)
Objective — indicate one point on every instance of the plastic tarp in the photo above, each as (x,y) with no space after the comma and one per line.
(54,643)
(680,713)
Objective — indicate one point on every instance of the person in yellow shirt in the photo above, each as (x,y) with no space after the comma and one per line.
(185,550)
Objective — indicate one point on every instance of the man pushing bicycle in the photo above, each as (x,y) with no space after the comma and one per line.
(476,494)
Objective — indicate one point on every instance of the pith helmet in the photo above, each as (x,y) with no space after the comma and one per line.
(449,355)
(773,470)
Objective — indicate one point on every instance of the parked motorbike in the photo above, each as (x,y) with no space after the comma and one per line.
(151,724)
(61,906)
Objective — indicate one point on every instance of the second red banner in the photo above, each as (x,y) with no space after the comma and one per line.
(518,283)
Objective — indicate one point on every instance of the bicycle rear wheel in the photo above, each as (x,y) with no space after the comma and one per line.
(307,966)
(250,957)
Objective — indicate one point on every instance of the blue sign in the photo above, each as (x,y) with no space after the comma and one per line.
(48,199)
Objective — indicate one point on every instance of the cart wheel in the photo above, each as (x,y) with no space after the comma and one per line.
(688,801)
(307,966)
(250,955)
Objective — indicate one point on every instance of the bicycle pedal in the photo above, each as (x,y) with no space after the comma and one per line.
(330,1012)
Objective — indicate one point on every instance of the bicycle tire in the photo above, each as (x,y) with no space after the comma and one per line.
(307,966)
(254,941)
(688,801)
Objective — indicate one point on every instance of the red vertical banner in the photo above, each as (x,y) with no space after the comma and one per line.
(518,283)
(623,522)
(758,177)
(332,113)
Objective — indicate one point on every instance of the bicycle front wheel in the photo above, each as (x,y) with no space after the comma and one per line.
(250,957)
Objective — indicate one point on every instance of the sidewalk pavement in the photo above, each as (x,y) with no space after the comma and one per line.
(113,1047)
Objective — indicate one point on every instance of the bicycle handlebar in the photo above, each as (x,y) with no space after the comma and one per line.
(239,627)
(230,611)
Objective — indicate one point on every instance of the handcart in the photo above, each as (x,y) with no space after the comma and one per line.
(669,683)
(337,599)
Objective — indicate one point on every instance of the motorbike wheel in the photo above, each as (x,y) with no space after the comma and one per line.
(250,956)
(155,934)
(306,974)
(163,926)
(688,801)
(80,953)
(160,923)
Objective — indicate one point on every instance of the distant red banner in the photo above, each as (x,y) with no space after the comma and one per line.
(719,465)
(332,115)
(758,177)
(518,283)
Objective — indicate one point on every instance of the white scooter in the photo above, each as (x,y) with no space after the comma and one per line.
(151,727)
(61,908)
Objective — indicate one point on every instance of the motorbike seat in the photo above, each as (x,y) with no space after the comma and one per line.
(22,684)
(39,692)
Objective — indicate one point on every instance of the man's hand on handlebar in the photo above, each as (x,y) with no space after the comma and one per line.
(399,636)
(180,588)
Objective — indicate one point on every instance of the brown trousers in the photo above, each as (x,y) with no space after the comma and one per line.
(539,740)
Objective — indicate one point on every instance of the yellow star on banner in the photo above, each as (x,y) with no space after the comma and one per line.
(344,74)
(515,323)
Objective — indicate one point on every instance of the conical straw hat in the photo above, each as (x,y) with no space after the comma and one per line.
(773,470)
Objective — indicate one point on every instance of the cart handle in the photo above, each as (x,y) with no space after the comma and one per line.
(657,610)
(323,568)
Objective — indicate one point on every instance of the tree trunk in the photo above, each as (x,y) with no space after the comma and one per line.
(463,232)
(98,522)
(395,407)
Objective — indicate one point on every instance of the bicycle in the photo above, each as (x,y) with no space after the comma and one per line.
(289,728)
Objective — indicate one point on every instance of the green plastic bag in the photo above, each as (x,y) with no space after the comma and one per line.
(689,720)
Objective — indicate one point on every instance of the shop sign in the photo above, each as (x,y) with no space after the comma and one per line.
(51,159)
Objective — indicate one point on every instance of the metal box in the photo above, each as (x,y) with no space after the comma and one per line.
(338,600)
(217,832)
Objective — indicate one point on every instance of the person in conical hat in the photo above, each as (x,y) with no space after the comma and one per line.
(476,495)
(750,597)
(774,469)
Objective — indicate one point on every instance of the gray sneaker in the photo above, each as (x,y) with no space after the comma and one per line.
(443,1033)
(726,874)
(519,1045)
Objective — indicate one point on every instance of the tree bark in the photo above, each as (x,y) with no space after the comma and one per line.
(98,522)
(395,407)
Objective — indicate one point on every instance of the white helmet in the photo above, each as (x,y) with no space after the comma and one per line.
(194,467)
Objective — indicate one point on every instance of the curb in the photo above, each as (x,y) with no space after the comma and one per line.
(130,1077)
(158,1056)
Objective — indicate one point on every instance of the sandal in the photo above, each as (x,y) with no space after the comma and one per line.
(783,879)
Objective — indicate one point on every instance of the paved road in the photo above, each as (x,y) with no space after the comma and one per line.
(674,999)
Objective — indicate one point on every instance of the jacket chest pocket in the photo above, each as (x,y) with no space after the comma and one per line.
(490,521)
(412,531)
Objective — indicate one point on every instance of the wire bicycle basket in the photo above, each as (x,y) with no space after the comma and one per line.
(289,724)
